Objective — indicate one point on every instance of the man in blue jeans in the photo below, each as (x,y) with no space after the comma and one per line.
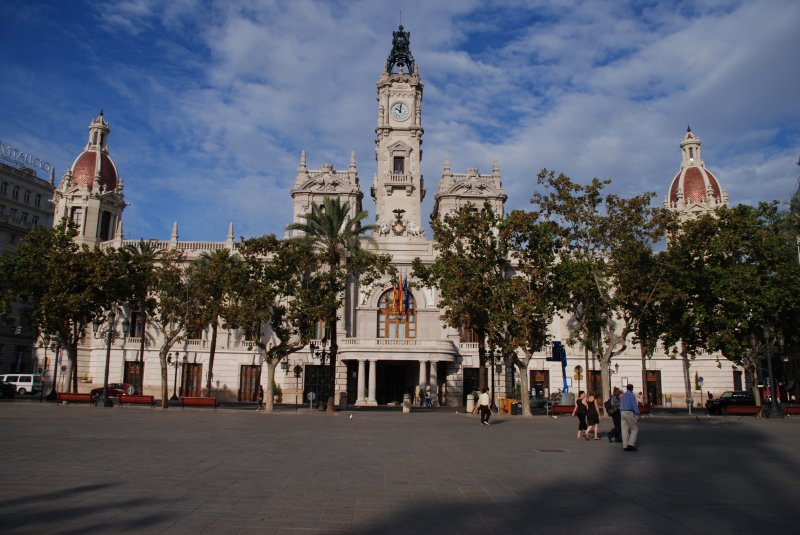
(629,409)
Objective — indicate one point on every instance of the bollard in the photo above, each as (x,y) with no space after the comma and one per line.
(406,403)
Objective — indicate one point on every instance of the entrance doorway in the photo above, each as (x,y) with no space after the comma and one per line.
(134,371)
(472,382)
(192,379)
(653,387)
(395,379)
(316,380)
(540,383)
(249,379)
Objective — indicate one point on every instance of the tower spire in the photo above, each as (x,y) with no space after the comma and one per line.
(400,55)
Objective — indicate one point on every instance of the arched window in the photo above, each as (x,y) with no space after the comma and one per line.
(392,323)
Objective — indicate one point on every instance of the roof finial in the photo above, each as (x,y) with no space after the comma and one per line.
(688,128)
(101,112)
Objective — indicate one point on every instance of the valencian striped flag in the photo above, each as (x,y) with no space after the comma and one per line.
(400,297)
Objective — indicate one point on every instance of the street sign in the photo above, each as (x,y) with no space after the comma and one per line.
(63,368)
(700,379)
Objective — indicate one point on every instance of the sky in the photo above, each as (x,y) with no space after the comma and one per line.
(211,103)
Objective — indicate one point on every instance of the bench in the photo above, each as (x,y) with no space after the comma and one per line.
(137,400)
(560,409)
(742,410)
(198,402)
(789,410)
(76,397)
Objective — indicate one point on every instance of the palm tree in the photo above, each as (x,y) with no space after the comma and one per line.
(142,258)
(336,237)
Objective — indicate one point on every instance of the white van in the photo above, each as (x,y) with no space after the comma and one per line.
(26,383)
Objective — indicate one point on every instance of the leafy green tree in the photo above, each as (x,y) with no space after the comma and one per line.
(469,271)
(172,314)
(142,260)
(604,239)
(278,300)
(66,286)
(527,296)
(212,278)
(336,237)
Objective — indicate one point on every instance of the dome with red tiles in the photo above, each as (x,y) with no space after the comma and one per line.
(85,167)
(694,188)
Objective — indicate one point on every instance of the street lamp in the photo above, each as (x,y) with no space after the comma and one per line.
(175,364)
(773,404)
(109,335)
(320,352)
(611,377)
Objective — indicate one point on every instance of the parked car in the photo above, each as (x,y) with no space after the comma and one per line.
(25,383)
(7,390)
(732,397)
(114,390)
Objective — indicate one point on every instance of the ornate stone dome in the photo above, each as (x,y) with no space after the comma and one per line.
(94,167)
(694,188)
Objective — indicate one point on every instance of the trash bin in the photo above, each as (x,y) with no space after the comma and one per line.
(516,409)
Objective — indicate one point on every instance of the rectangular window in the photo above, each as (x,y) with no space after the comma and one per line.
(13,213)
(2,209)
(105,226)
(399,165)
(77,215)
(24,217)
(15,193)
(35,220)
(27,196)
(38,201)
(4,188)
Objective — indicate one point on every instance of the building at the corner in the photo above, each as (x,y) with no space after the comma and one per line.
(24,204)
(385,351)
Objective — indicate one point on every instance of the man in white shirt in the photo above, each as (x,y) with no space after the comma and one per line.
(483,405)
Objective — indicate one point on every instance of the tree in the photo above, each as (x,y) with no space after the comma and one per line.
(281,291)
(142,259)
(604,238)
(212,278)
(337,237)
(66,286)
(528,298)
(172,313)
(470,265)
(752,278)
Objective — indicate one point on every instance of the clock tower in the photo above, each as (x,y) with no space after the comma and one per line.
(398,187)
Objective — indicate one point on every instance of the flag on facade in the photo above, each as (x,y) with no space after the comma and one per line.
(401,296)
(406,297)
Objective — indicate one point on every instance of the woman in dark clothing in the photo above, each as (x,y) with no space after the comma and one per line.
(593,416)
(580,411)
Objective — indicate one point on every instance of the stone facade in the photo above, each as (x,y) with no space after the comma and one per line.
(384,353)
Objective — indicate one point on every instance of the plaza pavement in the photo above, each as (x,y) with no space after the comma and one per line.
(81,469)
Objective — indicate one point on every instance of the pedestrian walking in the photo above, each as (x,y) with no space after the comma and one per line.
(612,409)
(483,406)
(260,398)
(580,411)
(592,416)
(629,409)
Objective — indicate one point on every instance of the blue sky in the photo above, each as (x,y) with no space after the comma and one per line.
(210,103)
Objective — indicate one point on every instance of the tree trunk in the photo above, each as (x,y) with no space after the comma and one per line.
(269,405)
(754,387)
(686,379)
(72,365)
(524,385)
(331,405)
(162,358)
(481,359)
(212,350)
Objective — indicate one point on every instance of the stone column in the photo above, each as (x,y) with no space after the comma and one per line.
(434,384)
(361,380)
(423,373)
(373,368)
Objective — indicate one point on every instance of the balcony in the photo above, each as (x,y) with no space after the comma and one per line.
(396,349)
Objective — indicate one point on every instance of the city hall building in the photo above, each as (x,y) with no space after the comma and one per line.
(383,353)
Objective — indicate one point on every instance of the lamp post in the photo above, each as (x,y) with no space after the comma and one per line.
(773,404)
(174,363)
(109,334)
(319,352)
(611,377)
(298,370)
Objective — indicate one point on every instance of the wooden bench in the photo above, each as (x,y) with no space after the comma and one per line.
(742,410)
(560,409)
(198,402)
(76,397)
(789,410)
(137,400)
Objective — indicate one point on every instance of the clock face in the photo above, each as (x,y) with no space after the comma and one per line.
(400,111)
